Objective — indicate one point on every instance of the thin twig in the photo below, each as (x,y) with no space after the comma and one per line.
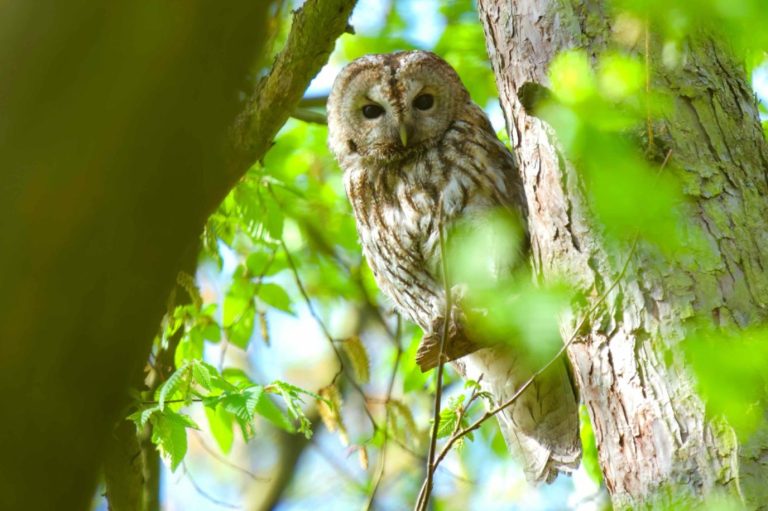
(313,101)
(312,310)
(204,493)
(340,469)
(308,115)
(423,500)
(224,461)
(382,458)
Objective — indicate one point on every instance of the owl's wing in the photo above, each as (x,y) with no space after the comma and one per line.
(541,427)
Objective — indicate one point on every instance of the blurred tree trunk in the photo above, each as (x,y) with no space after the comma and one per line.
(652,434)
(111,136)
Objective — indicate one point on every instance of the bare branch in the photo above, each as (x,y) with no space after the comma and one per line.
(308,115)
(426,489)
(381,463)
(313,102)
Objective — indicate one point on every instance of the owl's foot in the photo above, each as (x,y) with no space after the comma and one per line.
(457,344)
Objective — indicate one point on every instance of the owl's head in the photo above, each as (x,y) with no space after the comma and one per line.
(385,107)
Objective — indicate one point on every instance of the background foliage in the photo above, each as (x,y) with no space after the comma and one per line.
(284,329)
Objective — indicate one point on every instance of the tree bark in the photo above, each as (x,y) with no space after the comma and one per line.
(652,434)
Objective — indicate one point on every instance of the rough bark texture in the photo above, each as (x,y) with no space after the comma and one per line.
(315,28)
(649,424)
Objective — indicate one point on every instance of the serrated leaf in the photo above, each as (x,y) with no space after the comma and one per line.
(292,397)
(253,395)
(220,423)
(274,295)
(448,419)
(173,383)
(169,433)
(201,374)
(235,404)
(449,416)
(141,417)
(273,413)
(293,390)
(358,357)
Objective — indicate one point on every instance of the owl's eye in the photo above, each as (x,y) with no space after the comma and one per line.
(424,101)
(372,111)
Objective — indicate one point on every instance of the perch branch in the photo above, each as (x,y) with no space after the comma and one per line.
(279,92)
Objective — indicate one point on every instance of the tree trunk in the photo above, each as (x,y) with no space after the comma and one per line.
(113,119)
(652,434)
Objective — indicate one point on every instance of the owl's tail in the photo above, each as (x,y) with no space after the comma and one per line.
(542,426)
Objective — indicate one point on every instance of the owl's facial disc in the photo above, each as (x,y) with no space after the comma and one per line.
(400,112)
(390,107)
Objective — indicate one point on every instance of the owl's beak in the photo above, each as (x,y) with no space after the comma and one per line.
(404,135)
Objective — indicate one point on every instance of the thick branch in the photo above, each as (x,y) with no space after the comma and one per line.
(316,26)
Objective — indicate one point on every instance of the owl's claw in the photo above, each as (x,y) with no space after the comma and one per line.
(457,344)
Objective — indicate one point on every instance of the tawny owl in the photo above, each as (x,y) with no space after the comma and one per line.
(411,141)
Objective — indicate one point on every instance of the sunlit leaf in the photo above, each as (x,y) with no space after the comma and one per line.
(220,423)
(276,296)
(169,433)
(572,77)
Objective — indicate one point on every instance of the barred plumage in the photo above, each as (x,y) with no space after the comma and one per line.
(410,142)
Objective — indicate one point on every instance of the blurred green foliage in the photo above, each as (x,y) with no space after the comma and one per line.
(732,377)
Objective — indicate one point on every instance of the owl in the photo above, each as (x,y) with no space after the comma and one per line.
(418,156)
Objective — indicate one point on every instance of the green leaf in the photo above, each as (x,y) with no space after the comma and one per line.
(179,378)
(259,263)
(201,374)
(571,76)
(237,377)
(141,417)
(169,433)
(240,333)
(273,413)
(448,419)
(211,331)
(235,307)
(731,373)
(190,348)
(274,218)
(589,447)
(220,423)
(275,296)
